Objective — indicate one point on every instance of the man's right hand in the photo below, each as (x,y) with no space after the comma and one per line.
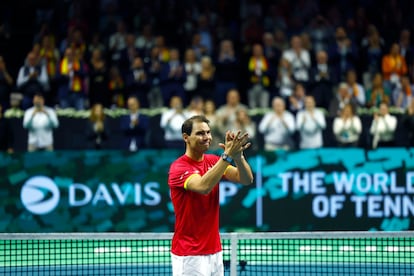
(235,143)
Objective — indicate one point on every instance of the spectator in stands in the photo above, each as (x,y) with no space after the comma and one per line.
(116,87)
(6,134)
(277,127)
(343,54)
(307,46)
(145,40)
(227,113)
(347,127)
(97,130)
(134,126)
(153,68)
(227,71)
(259,80)
(32,78)
(271,52)
(321,32)
(171,122)
(15,109)
(245,123)
(383,127)
(408,123)
(393,67)
(199,49)
(378,93)
(192,69)
(96,44)
(371,57)
(64,42)
(300,60)
(163,49)
(117,41)
(407,50)
(172,78)
(50,56)
(98,80)
(310,123)
(281,21)
(206,82)
(341,99)
(71,74)
(75,41)
(281,40)
(196,106)
(6,84)
(371,33)
(322,80)
(297,100)
(402,94)
(216,131)
(137,81)
(204,31)
(40,120)
(356,90)
(127,55)
(285,82)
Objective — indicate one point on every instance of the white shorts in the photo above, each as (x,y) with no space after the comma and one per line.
(201,265)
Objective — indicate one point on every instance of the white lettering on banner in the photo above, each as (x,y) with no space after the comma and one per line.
(378,206)
(363,183)
(81,195)
(121,196)
(358,200)
(308,182)
(322,206)
(227,190)
(85,197)
(376,182)
(153,196)
(102,194)
(374,207)
(367,190)
(138,195)
(409,180)
(344,183)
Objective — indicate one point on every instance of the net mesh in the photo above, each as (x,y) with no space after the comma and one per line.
(303,253)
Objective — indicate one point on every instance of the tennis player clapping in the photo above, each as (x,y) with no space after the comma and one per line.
(193,180)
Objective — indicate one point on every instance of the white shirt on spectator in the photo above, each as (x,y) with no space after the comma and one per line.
(277,131)
(300,63)
(310,128)
(347,131)
(171,122)
(40,126)
(383,129)
(23,78)
(192,70)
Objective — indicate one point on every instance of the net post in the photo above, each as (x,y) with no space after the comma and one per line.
(233,254)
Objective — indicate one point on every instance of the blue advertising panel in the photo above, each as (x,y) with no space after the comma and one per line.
(310,190)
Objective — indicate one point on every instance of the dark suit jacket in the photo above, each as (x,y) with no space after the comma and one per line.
(139,132)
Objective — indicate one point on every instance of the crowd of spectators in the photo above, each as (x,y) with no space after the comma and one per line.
(310,66)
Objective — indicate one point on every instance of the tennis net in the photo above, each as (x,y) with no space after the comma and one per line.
(287,253)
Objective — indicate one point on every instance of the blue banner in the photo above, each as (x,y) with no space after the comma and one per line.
(309,190)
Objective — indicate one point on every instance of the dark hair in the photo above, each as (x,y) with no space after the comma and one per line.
(39,94)
(187,126)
